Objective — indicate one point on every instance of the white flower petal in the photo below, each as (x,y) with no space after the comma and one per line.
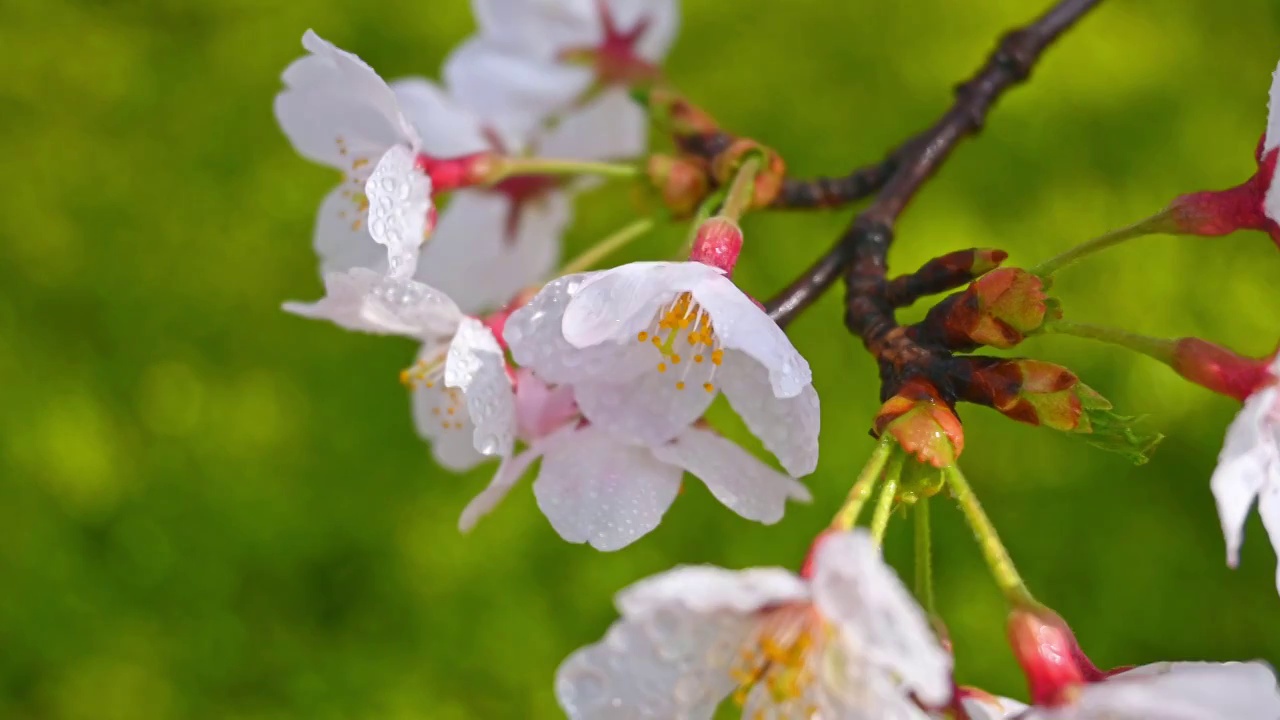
(451,436)
(545,29)
(482,254)
(597,490)
(366,301)
(447,128)
(1246,461)
(1272,140)
(337,111)
(399,201)
(538,29)
(663,18)
(536,338)
(477,366)
(740,324)
(739,480)
(609,127)
(788,427)
(1269,509)
(614,305)
(342,232)
(1177,691)
(514,89)
(992,707)
(649,409)
(710,589)
(676,668)
(509,473)
(879,621)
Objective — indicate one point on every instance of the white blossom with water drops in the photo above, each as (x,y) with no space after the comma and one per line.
(462,396)
(648,346)
(1249,470)
(598,489)
(1174,691)
(338,112)
(850,642)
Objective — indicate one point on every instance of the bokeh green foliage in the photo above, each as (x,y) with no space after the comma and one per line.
(211,509)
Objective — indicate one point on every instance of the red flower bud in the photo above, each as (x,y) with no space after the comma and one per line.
(718,242)
(1049,655)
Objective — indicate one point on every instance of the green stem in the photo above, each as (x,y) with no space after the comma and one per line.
(1158,223)
(1161,349)
(993,551)
(608,246)
(924,555)
(508,167)
(742,190)
(847,516)
(884,503)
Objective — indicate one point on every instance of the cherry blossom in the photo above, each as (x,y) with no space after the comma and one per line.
(462,396)
(847,642)
(648,346)
(595,488)
(1249,469)
(338,112)
(538,58)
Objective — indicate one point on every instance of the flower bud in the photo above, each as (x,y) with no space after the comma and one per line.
(1049,655)
(998,309)
(1041,393)
(718,243)
(1221,370)
(922,424)
(768,181)
(682,182)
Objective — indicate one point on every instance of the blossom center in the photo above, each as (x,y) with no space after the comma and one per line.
(615,60)
(684,336)
(445,403)
(778,659)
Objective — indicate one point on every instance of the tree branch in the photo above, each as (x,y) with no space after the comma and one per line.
(860,254)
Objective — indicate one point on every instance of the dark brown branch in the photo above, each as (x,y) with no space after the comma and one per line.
(836,192)
(860,254)
(941,274)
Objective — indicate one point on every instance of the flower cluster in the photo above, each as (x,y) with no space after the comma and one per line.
(603,376)
(447,229)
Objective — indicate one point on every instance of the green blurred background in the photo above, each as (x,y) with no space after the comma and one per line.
(211,509)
